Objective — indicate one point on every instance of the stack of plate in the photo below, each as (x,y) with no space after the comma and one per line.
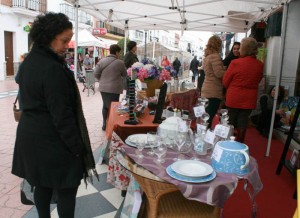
(193,171)
(134,139)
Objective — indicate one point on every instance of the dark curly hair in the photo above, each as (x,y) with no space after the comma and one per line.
(46,27)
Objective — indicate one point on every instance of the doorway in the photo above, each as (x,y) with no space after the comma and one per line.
(9,54)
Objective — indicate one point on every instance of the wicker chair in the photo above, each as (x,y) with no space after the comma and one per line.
(185,100)
(297,211)
(164,200)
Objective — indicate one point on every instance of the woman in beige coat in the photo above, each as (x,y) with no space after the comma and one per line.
(213,67)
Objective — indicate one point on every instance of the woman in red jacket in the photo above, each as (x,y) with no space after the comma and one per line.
(165,62)
(241,81)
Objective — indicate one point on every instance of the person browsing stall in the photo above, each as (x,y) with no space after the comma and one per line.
(52,148)
(110,71)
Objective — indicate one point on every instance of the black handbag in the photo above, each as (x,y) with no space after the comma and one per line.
(27,192)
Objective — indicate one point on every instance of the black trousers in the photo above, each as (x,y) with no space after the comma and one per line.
(201,78)
(239,117)
(66,201)
(212,109)
(107,98)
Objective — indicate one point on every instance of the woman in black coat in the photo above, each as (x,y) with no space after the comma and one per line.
(233,54)
(52,149)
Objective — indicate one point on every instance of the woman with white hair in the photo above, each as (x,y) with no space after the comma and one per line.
(241,81)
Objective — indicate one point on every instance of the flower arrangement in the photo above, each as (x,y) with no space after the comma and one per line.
(145,70)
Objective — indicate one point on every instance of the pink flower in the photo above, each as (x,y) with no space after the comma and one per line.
(164,75)
(129,72)
(142,74)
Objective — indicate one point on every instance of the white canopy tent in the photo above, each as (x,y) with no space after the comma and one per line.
(86,39)
(195,15)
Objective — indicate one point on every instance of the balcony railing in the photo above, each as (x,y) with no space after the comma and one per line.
(69,10)
(34,5)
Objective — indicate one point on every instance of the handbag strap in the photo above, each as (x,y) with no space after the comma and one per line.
(107,65)
(16,100)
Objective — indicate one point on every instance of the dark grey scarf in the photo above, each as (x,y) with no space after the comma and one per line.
(88,158)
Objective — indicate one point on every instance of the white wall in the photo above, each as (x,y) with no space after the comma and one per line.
(53,5)
(292,47)
(272,59)
(12,23)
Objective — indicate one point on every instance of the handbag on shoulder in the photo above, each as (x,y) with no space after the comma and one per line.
(17,112)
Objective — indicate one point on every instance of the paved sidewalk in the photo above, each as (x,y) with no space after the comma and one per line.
(90,204)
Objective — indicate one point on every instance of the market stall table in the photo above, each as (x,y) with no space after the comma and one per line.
(214,192)
(115,123)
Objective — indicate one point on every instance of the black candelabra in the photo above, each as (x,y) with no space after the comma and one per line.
(131,102)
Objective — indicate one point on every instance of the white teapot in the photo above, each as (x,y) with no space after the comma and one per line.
(169,126)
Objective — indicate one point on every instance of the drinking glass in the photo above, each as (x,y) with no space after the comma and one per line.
(140,147)
(192,141)
(160,151)
(151,141)
(188,123)
(170,143)
(179,140)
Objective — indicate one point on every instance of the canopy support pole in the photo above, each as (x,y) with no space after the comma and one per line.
(145,56)
(76,40)
(94,56)
(278,77)
(126,36)
(153,51)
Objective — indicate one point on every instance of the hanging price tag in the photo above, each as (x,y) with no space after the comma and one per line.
(209,137)
(216,155)
(222,131)
(199,110)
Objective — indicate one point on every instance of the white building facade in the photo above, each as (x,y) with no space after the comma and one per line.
(16,18)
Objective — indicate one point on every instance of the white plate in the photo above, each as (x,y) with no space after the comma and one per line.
(192,168)
(174,175)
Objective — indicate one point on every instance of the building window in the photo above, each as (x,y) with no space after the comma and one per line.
(69,10)
(139,35)
(34,5)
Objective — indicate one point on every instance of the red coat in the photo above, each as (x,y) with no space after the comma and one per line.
(241,81)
